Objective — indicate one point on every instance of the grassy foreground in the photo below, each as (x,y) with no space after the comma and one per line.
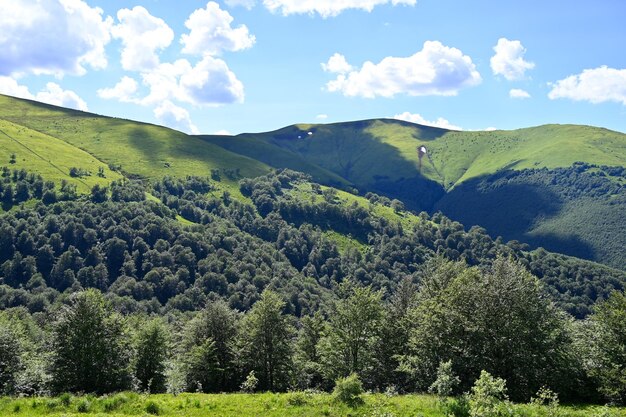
(268,404)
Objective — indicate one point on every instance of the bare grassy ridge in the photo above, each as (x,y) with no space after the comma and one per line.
(253,405)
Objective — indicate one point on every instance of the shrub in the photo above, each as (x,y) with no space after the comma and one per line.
(83,406)
(348,390)
(113,403)
(297,399)
(153,408)
(65,399)
(488,397)
(548,399)
(446,382)
(250,384)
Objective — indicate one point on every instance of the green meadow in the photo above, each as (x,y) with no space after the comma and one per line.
(266,404)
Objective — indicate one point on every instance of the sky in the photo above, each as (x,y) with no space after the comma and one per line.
(234,66)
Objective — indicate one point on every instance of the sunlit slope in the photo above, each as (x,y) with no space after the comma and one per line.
(50,157)
(374,151)
(463,155)
(140,149)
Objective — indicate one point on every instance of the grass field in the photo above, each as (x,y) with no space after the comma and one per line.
(140,149)
(50,157)
(256,405)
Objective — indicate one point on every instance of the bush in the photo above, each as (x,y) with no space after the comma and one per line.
(488,397)
(250,384)
(348,390)
(446,382)
(153,408)
(65,399)
(548,399)
(113,403)
(83,406)
(297,399)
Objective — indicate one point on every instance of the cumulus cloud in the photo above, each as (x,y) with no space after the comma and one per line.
(490,129)
(51,94)
(337,64)
(52,37)
(435,70)
(142,35)
(175,117)
(518,93)
(417,118)
(54,94)
(209,83)
(326,8)
(122,91)
(211,33)
(509,60)
(594,85)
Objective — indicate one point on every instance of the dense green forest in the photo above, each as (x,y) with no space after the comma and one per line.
(576,210)
(559,187)
(292,286)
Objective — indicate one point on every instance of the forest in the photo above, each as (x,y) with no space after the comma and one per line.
(168,288)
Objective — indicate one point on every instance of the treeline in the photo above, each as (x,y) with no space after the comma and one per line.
(464,319)
(137,251)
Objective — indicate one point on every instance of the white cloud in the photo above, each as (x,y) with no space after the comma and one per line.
(518,93)
(52,37)
(10,87)
(223,132)
(509,60)
(211,82)
(175,117)
(327,8)
(142,36)
(594,85)
(52,94)
(321,117)
(490,129)
(122,91)
(208,83)
(337,64)
(210,32)
(435,70)
(417,118)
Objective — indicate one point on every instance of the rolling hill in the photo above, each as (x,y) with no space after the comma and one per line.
(517,184)
(459,172)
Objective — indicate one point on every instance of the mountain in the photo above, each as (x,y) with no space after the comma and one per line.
(572,209)
(560,187)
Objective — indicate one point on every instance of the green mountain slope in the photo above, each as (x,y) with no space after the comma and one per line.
(49,157)
(140,149)
(458,173)
(461,173)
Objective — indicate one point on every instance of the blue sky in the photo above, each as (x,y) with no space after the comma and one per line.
(245,65)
